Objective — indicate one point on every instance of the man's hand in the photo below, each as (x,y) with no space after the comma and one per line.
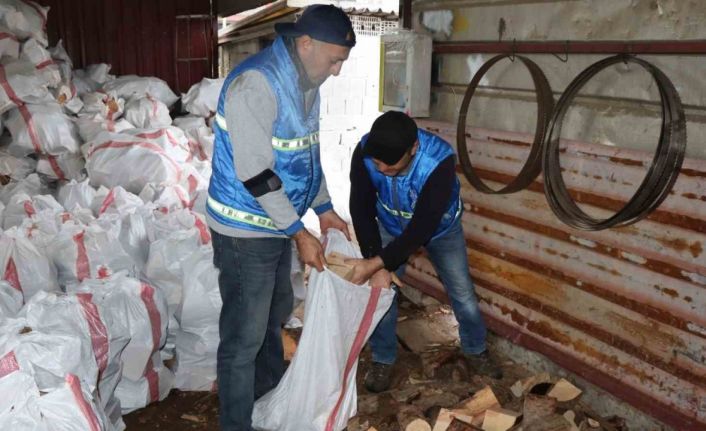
(381,279)
(363,269)
(310,250)
(329,220)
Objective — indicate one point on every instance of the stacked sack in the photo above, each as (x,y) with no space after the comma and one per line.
(106,269)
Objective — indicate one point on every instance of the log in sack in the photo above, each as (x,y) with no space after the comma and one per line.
(318,390)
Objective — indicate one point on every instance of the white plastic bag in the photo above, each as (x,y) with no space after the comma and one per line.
(91,125)
(26,19)
(9,45)
(171,139)
(24,266)
(62,59)
(42,129)
(147,112)
(198,313)
(200,136)
(32,185)
(130,86)
(108,105)
(84,252)
(318,390)
(123,160)
(17,168)
(202,98)
(10,300)
(21,84)
(76,194)
(22,206)
(35,53)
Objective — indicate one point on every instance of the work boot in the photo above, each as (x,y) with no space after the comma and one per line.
(484,364)
(378,378)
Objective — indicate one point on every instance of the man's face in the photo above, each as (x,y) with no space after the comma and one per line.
(401,165)
(321,59)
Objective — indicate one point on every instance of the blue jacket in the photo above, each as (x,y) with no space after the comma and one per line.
(397,196)
(295,141)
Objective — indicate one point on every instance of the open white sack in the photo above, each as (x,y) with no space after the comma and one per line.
(318,390)
(147,112)
(26,19)
(25,267)
(21,84)
(43,129)
(202,98)
(130,86)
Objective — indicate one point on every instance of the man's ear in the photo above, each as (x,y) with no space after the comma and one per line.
(304,43)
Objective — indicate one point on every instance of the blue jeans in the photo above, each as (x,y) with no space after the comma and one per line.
(448,255)
(257,299)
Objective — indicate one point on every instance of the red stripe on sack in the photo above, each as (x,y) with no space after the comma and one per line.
(197,149)
(152,381)
(180,194)
(12,276)
(147,295)
(107,202)
(29,208)
(103,273)
(147,145)
(27,116)
(83,270)
(357,346)
(83,405)
(56,168)
(65,217)
(8,88)
(73,89)
(99,333)
(203,230)
(8,364)
(44,64)
(158,134)
(37,9)
(6,35)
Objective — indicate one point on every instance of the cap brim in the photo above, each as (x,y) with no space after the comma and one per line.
(287,29)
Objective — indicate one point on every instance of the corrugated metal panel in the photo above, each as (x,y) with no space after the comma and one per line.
(623,307)
(138,37)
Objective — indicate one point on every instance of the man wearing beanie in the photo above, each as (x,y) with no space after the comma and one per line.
(405,195)
(266,175)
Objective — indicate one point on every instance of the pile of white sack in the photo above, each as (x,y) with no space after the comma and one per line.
(106,264)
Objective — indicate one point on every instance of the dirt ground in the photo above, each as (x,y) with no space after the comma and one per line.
(429,380)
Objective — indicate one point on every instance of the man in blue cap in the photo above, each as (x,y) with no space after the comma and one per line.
(266,175)
(405,195)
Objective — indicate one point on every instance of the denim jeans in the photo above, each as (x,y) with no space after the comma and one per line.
(257,299)
(448,255)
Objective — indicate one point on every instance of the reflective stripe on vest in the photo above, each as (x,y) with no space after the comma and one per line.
(407,215)
(241,216)
(280,144)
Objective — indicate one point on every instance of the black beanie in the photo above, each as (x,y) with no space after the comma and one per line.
(393,133)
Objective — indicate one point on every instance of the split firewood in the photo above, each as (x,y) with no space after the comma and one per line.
(499,419)
(480,402)
(411,418)
(336,262)
(406,394)
(554,422)
(457,425)
(522,386)
(446,417)
(570,416)
(536,408)
(564,391)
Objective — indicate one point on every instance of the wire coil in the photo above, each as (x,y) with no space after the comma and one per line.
(545,104)
(661,174)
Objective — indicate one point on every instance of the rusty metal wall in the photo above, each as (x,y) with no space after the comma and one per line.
(624,308)
(142,37)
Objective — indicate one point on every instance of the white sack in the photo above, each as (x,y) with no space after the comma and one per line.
(200,136)
(108,105)
(32,185)
(147,112)
(17,168)
(198,313)
(202,98)
(48,130)
(62,59)
(90,126)
(64,167)
(171,139)
(340,316)
(26,19)
(123,160)
(84,252)
(24,266)
(46,68)
(9,45)
(130,86)
(76,194)
(22,206)
(10,300)
(20,84)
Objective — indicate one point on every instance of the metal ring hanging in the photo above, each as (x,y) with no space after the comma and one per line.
(663,170)
(533,164)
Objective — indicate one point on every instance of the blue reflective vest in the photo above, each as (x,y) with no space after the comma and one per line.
(397,196)
(295,141)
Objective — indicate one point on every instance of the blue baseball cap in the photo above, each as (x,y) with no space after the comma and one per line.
(322,22)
